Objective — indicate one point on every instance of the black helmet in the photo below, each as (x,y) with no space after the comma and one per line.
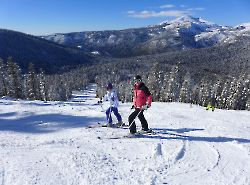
(137,77)
(109,86)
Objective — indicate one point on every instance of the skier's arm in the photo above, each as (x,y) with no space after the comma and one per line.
(113,96)
(149,100)
(105,98)
(149,96)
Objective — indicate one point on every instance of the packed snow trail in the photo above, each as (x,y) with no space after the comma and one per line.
(50,143)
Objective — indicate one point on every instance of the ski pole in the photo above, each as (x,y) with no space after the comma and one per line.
(102,107)
(134,119)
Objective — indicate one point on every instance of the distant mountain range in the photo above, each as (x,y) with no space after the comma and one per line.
(180,34)
(50,56)
(183,39)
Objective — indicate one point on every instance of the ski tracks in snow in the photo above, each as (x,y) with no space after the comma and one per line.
(181,152)
(2,172)
(175,155)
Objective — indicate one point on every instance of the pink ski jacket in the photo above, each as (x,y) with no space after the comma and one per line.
(142,96)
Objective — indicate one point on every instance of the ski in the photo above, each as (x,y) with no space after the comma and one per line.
(108,126)
(149,132)
(139,134)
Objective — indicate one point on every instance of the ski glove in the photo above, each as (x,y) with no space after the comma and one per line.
(145,107)
(132,107)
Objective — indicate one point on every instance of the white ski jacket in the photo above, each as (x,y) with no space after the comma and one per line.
(112,98)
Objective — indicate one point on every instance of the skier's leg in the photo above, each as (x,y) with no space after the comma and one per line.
(108,115)
(208,107)
(116,113)
(131,120)
(144,122)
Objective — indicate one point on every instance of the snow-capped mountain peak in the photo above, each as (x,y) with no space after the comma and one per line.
(193,20)
(190,24)
(186,18)
(178,34)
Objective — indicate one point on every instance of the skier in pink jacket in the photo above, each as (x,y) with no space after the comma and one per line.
(142,101)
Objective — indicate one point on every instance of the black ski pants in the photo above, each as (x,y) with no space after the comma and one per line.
(131,120)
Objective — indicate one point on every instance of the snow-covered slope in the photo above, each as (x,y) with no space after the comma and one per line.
(50,143)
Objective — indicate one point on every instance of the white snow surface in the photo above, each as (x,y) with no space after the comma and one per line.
(50,143)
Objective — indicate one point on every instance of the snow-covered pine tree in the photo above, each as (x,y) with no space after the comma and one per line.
(230,102)
(15,79)
(204,92)
(163,90)
(173,85)
(194,97)
(62,89)
(25,86)
(217,89)
(239,98)
(18,81)
(3,79)
(245,96)
(185,91)
(248,94)
(248,104)
(42,86)
(224,94)
(31,83)
(120,88)
(56,88)
(100,86)
(10,73)
(154,82)
(129,91)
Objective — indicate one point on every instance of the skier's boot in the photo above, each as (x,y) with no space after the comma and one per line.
(109,125)
(147,130)
(133,135)
(120,124)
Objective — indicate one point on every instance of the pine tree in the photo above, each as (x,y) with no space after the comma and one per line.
(18,81)
(224,95)
(3,79)
(163,90)
(248,104)
(194,97)
(239,98)
(248,93)
(173,86)
(42,86)
(15,79)
(62,89)
(216,90)
(204,92)
(154,82)
(10,70)
(230,102)
(31,80)
(185,92)
(129,91)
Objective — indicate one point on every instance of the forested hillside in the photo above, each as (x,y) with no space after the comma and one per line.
(190,76)
(25,49)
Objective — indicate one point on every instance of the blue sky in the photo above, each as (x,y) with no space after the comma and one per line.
(52,16)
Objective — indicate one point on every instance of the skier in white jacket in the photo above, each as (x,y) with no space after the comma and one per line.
(111,96)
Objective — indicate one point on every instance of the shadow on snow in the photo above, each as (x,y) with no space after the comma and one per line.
(163,133)
(45,123)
